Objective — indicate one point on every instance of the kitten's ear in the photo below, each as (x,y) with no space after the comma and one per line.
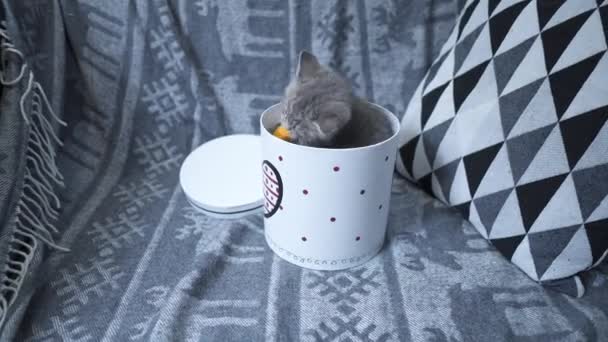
(308,65)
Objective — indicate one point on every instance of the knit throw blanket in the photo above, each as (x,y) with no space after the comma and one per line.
(28,171)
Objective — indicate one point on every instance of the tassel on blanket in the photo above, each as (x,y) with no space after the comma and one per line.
(38,206)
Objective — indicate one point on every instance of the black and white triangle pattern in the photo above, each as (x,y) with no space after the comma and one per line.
(510,127)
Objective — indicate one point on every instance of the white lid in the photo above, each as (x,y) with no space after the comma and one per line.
(222,177)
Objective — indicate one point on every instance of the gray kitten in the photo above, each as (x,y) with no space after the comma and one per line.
(317,104)
(320,110)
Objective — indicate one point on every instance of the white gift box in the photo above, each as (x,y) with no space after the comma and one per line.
(326,208)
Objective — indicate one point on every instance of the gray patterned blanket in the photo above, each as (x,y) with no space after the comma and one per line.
(140,84)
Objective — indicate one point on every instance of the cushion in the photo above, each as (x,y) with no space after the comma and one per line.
(509,127)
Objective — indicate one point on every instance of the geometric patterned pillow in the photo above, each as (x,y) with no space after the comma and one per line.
(509,126)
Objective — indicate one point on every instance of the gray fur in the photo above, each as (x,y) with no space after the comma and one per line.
(320,110)
(366,127)
(317,104)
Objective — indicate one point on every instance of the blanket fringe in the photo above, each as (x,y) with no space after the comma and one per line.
(38,205)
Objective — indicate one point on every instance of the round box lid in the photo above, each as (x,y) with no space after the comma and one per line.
(222,177)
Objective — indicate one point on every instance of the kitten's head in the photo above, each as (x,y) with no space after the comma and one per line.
(317,103)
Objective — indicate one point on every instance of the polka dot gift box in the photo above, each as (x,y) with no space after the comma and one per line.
(326,209)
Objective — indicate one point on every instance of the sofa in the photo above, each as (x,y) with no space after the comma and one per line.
(101,101)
